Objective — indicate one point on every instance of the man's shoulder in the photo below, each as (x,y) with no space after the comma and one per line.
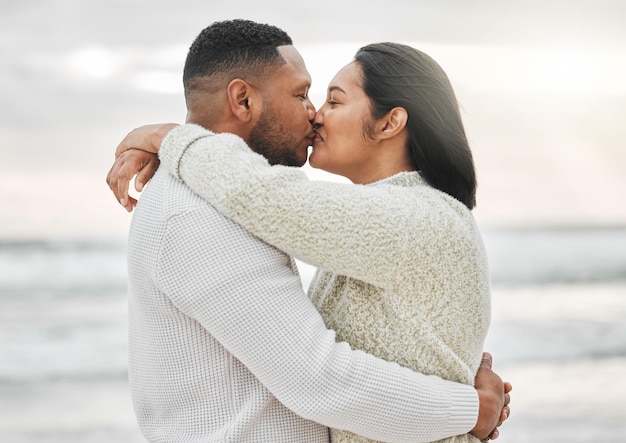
(170,206)
(166,197)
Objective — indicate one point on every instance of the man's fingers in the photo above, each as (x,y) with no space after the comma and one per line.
(494,434)
(506,411)
(504,415)
(486,360)
(505,398)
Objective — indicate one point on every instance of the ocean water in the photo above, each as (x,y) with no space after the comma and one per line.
(558,334)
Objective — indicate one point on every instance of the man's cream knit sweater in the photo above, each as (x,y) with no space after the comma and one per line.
(403,272)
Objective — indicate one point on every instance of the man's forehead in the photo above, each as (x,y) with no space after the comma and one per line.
(294,63)
(289,51)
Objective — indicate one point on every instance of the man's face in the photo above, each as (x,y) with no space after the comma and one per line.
(284,130)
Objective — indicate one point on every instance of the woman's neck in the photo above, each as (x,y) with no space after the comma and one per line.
(389,159)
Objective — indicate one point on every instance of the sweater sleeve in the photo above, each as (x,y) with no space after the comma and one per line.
(256,308)
(354,230)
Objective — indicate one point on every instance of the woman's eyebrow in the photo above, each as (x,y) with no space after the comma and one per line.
(335,88)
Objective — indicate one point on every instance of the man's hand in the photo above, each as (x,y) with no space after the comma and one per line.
(136,155)
(494,401)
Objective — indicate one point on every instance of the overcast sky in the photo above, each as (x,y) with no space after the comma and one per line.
(529,22)
(44,93)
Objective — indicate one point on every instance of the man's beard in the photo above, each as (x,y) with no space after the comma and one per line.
(270,139)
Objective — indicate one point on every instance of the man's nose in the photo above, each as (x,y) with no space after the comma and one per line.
(311,111)
(318,118)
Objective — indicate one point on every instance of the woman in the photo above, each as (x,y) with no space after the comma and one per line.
(402,269)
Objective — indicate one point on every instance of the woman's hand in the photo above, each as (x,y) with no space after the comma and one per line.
(147,138)
(130,163)
(136,155)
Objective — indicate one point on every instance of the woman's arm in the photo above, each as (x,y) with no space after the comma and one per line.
(354,230)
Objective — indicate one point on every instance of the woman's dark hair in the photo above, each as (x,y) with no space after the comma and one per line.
(396,75)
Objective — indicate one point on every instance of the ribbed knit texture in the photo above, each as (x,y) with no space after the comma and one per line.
(404,272)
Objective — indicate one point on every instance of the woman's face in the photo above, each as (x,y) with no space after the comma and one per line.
(340,146)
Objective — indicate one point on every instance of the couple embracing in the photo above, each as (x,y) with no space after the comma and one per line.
(224,343)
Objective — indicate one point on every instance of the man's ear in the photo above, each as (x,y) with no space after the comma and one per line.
(392,123)
(241,98)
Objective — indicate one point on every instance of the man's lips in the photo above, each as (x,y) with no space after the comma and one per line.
(313,137)
(316,137)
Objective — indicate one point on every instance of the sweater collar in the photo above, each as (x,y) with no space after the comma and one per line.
(406,179)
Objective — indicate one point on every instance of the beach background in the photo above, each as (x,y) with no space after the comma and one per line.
(541,85)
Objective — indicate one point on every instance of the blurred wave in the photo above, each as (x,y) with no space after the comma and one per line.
(64,310)
(527,255)
(557,254)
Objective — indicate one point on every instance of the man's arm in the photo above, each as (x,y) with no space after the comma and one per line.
(248,298)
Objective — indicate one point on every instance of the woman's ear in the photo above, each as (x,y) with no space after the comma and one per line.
(241,98)
(393,123)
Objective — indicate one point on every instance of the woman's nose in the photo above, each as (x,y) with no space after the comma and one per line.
(318,118)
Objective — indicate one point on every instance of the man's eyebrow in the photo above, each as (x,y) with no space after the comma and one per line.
(305,85)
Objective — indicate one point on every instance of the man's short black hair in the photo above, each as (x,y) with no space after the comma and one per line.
(234,48)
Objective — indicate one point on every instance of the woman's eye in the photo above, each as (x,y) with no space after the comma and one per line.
(332,102)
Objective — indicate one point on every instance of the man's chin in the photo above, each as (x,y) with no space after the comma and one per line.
(304,157)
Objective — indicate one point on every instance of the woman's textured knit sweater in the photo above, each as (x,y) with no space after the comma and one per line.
(403,272)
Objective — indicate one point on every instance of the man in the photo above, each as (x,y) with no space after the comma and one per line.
(224,344)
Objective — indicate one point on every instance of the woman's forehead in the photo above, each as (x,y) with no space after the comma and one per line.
(348,77)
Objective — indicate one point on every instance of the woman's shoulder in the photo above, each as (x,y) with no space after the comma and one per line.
(429,211)
(413,187)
